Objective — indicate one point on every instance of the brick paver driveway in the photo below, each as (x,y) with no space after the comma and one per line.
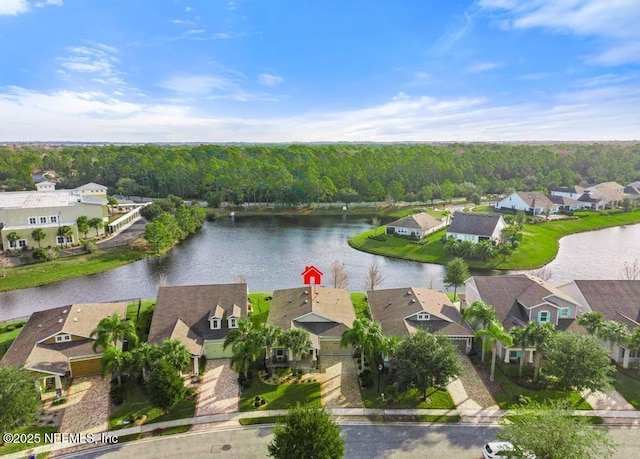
(220,392)
(87,407)
(340,388)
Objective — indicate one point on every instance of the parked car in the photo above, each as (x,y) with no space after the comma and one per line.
(500,449)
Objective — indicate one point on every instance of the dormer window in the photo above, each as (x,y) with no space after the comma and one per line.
(63,338)
(214,323)
(423,316)
(233,323)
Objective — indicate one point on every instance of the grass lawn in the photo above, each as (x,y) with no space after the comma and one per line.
(8,332)
(360,305)
(137,404)
(265,420)
(513,392)
(628,387)
(260,306)
(280,396)
(538,247)
(143,321)
(69,267)
(436,399)
(29,430)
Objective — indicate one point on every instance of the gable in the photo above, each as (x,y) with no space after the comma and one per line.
(313,317)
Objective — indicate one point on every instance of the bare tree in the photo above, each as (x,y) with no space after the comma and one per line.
(240,279)
(631,271)
(374,277)
(375,222)
(338,274)
(162,280)
(543,273)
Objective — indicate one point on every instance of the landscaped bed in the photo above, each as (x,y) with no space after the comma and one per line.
(280,396)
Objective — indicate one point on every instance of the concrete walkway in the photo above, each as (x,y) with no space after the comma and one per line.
(610,400)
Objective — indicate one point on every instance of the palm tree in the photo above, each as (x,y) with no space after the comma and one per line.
(12,237)
(269,336)
(112,329)
(374,341)
(115,361)
(176,354)
(65,232)
(613,332)
(143,357)
(355,335)
(591,321)
(521,338)
(479,312)
(245,346)
(493,335)
(83,225)
(96,223)
(298,341)
(539,334)
(38,235)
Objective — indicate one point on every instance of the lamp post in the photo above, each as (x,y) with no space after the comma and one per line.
(379,373)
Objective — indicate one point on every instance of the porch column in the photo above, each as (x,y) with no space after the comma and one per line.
(314,356)
(58,382)
(625,361)
(40,384)
(196,367)
(468,346)
(506,355)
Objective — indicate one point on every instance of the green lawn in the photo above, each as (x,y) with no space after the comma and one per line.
(260,306)
(280,396)
(539,244)
(8,332)
(412,398)
(15,447)
(513,392)
(360,305)
(628,387)
(69,267)
(137,404)
(143,320)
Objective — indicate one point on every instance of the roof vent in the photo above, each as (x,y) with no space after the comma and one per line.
(306,301)
(39,325)
(409,292)
(64,311)
(413,300)
(306,292)
(79,309)
(75,319)
(59,321)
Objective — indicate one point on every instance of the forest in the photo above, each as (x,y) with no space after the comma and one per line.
(295,174)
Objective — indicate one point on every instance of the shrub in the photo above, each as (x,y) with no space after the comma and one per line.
(39,254)
(165,386)
(90,246)
(366,379)
(378,238)
(11,327)
(117,394)
(245,382)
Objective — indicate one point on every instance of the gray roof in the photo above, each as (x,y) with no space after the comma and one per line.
(572,189)
(51,198)
(470,223)
(192,305)
(617,300)
(563,200)
(393,308)
(422,221)
(92,186)
(535,199)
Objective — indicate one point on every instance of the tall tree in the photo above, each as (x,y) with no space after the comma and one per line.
(38,235)
(176,354)
(298,341)
(164,386)
(426,360)
(356,335)
(269,335)
(520,338)
(338,274)
(97,224)
(19,398)
(245,346)
(306,433)
(83,225)
(550,431)
(143,357)
(631,270)
(479,313)
(374,277)
(456,272)
(492,337)
(591,321)
(539,334)
(112,329)
(115,361)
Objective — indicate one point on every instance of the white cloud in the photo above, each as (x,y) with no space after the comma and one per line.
(614,22)
(590,113)
(482,67)
(49,2)
(13,7)
(453,33)
(268,79)
(229,86)
(95,59)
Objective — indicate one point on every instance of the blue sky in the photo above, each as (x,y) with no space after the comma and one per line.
(297,70)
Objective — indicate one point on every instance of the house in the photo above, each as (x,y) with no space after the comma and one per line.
(521,298)
(323,312)
(199,316)
(402,311)
(414,226)
(56,343)
(564,203)
(573,192)
(311,275)
(48,209)
(531,202)
(610,194)
(632,190)
(475,227)
(617,300)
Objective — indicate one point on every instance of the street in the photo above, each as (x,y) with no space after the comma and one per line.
(364,441)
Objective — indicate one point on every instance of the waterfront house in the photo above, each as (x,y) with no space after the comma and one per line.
(403,311)
(530,202)
(56,343)
(415,226)
(473,227)
(199,316)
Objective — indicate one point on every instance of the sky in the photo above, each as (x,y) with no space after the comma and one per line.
(319,71)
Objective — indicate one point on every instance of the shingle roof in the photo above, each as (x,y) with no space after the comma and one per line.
(535,199)
(393,308)
(572,189)
(92,186)
(470,223)
(617,300)
(563,200)
(193,304)
(422,221)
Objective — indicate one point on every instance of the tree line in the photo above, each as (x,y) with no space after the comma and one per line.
(298,173)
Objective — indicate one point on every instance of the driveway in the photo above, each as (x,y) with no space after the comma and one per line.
(470,390)
(219,392)
(339,383)
(87,407)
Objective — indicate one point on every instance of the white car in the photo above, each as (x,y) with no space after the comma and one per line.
(499,449)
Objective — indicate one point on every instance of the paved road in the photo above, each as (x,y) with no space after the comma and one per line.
(366,441)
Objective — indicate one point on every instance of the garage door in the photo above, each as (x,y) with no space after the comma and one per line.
(85,367)
(332,347)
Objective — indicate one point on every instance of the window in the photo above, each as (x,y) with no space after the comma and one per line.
(53,219)
(62,338)
(13,244)
(565,312)
(233,323)
(43,220)
(424,316)
(60,240)
(32,220)
(22,243)
(544,316)
(69,239)
(214,323)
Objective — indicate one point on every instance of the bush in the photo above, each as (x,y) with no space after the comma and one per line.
(165,386)
(10,327)
(366,379)
(378,238)
(245,382)
(117,394)
(90,246)
(39,254)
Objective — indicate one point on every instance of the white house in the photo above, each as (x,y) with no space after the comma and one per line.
(531,202)
(475,227)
